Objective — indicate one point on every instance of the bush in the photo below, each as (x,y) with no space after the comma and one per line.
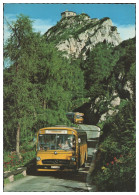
(113,28)
(116,169)
(12,161)
(117,175)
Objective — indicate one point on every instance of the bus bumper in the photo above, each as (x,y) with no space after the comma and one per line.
(60,170)
(55,168)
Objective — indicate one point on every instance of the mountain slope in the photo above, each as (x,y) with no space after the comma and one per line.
(75,35)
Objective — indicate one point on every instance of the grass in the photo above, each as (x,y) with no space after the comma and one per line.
(16,177)
(6,181)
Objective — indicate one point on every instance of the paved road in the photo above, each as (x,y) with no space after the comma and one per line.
(50,182)
(58,181)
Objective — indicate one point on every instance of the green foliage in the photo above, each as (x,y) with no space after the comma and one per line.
(108,69)
(113,28)
(19,176)
(81,28)
(116,169)
(98,70)
(11,159)
(40,86)
(84,14)
(64,29)
(125,69)
(104,19)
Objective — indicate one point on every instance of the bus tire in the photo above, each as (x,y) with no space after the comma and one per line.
(75,170)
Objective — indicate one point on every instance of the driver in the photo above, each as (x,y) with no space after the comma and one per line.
(65,146)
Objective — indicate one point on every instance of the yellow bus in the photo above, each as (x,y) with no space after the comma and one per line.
(78,117)
(61,149)
(75,117)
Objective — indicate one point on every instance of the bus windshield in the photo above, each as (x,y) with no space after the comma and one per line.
(78,116)
(56,142)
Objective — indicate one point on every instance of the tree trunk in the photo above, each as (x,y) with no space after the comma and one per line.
(44,104)
(18,142)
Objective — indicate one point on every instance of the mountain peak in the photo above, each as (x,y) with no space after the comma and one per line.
(75,34)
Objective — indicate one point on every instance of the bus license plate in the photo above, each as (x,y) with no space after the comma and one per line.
(55,167)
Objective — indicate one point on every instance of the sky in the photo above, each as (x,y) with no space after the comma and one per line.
(47,15)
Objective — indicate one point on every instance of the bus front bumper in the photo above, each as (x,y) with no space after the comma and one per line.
(55,168)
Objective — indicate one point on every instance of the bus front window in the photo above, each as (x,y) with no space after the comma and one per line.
(56,142)
(79,117)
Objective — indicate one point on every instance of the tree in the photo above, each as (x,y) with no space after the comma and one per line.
(100,64)
(40,86)
(20,49)
(58,82)
(115,167)
(125,68)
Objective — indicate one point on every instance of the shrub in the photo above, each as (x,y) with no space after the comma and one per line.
(116,169)
(12,161)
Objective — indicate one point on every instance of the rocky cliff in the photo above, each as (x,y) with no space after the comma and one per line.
(76,35)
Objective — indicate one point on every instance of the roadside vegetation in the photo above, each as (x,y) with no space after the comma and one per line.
(40,86)
(115,169)
(11,160)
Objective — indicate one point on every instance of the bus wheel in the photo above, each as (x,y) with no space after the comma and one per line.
(75,170)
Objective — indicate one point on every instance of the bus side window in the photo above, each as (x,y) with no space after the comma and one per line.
(82,139)
(79,140)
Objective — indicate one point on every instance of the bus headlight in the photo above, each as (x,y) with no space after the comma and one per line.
(38,158)
(73,159)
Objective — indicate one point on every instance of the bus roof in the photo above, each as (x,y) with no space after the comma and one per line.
(79,131)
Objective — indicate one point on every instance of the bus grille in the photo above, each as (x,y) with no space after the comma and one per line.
(55,161)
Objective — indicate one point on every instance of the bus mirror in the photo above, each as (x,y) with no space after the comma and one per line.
(79,140)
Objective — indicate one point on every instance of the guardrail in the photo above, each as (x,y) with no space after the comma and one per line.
(10,174)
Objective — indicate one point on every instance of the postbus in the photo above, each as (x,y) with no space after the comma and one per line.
(78,117)
(61,148)
(75,117)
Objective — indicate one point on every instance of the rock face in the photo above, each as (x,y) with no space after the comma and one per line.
(76,35)
(111,109)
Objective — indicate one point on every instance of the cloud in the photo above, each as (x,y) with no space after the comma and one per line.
(6,33)
(42,26)
(8,18)
(126,31)
(39,25)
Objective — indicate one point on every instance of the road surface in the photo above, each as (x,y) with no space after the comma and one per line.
(58,181)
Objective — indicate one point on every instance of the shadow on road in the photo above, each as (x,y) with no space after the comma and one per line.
(74,176)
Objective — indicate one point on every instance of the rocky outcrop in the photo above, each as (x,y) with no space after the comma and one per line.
(77,34)
(110,106)
(128,87)
(111,109)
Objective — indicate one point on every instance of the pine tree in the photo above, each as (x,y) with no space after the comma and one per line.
(100,64)
(40,86)
(19,49)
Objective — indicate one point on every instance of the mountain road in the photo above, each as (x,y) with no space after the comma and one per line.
(58,181)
